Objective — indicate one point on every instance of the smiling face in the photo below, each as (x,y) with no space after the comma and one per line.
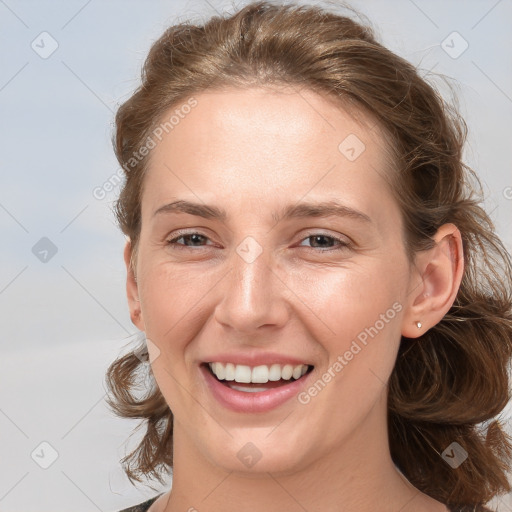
(271,246)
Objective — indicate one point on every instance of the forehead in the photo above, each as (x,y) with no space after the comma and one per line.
(260,145)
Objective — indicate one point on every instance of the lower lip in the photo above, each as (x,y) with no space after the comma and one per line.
(260,401)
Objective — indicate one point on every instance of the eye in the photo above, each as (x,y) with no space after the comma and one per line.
(323,241)
(316,241)
(189,240)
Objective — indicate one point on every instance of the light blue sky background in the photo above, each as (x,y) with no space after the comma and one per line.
(63,321)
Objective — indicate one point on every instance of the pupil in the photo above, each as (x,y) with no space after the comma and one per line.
(319,238)
(195,239)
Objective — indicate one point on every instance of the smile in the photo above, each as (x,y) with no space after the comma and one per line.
(258,374)
(245,388)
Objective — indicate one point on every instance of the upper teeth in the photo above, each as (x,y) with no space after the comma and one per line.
(257,374)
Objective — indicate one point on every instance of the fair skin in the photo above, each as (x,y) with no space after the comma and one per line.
(253,152)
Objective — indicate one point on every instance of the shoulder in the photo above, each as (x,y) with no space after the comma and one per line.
(141,507)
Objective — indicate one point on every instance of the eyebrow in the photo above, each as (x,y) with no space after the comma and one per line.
(300,210)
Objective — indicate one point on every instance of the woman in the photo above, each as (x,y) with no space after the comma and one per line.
(326,307)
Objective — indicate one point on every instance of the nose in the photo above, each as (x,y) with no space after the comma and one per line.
(253,296)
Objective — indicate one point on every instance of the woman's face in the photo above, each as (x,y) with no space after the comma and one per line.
(270,239)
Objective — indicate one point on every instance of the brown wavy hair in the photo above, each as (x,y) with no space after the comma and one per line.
(450,384)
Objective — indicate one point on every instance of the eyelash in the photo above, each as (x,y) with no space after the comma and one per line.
(342,244)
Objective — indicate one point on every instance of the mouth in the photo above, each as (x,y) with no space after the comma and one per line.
(245,388)
(254,379)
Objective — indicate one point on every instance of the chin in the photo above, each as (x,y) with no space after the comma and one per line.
(257,455)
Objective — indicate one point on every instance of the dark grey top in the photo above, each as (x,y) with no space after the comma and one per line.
(143,507)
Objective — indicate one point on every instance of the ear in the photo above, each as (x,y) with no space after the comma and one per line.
(132,291)
(434,283)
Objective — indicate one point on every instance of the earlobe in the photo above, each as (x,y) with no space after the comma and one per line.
(132,291)
(435,283)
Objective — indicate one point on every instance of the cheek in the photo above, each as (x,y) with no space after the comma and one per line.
(362,310)
(170,302)
(342,302)
(357,322)
(165,298)
(335,302)
(174,309)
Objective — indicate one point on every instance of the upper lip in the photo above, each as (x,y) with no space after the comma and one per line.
(255,359)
